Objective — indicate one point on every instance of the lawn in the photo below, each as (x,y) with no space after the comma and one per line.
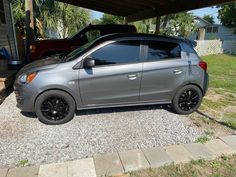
(221,167)
(220,101)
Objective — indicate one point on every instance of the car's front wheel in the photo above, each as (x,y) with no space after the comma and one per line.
(187,100)
(55,107)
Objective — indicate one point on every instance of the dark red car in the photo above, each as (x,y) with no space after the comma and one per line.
(42,48)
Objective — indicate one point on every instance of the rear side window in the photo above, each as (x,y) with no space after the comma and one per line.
(117,53)
(159,50)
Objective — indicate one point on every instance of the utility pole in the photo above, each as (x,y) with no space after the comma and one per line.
(29,27)
(29,11)
(125,21)
(158,24)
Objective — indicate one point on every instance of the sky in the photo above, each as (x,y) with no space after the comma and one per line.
(198,12)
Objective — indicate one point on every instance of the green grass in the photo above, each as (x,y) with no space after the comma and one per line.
(221,167)
(23,163)
(205,137)
(222,70)
(220,101)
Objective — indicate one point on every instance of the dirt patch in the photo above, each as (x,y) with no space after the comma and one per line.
(213,95)
(207,123)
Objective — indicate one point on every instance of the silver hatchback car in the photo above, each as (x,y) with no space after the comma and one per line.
(113,71)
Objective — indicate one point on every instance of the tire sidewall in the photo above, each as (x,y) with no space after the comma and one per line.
(175,102)
(55,93)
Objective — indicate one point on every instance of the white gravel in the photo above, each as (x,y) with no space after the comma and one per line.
(89,133)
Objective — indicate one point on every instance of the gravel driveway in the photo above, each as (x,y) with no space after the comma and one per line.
(90,132)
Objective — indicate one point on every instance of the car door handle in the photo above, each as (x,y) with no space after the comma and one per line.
(178,71)
(132,76)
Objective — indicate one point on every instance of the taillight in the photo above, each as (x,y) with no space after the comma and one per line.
(203,65)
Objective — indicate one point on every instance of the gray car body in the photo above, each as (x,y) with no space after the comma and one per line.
(114,85)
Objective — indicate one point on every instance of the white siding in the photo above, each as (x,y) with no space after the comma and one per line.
(229,46)
(7,29)
(224,33)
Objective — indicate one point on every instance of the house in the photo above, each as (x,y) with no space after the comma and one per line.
(209,31)
(7,29)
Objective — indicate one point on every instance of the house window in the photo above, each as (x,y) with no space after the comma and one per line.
(212,29)
(215,30)
(209,29)
(2,13)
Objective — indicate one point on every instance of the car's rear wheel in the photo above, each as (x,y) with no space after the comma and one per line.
(55,107)
(187,100)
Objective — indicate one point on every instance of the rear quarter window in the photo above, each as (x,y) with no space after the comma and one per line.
(161,50)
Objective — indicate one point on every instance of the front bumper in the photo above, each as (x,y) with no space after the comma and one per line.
(25,96)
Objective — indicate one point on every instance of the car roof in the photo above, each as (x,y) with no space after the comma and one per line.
(142,36)
(109,26)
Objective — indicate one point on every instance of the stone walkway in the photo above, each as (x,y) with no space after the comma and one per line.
(121,162)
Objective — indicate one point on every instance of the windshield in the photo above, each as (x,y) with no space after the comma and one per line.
(77,52)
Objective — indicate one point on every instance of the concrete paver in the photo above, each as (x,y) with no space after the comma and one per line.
(231,141)
(218,147)
(3,172)
(178,153)
(117,163)
(108,164)
(53,170)
(199,151)
(81,168)
(157,157)
(133,160)
(23,172)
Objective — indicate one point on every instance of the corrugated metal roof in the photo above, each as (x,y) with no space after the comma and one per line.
(135,10)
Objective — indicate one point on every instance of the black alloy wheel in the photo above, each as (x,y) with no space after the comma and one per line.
(55,107)
(187,99)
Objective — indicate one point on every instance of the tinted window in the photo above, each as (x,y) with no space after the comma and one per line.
(117,53)
(163,50)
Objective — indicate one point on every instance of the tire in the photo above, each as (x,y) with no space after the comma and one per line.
(55,107)
(187,100)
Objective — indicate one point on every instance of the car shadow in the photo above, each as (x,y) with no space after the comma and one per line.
(30,115)
(122,109)
(111,110)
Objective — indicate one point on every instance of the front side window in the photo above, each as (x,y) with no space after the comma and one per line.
(117,53)
(159,50)
(2,13)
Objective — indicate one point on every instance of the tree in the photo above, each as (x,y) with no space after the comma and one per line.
(227,14)
(209,18)
(143,26)
(111,19)
(19,14)
(50,14)
(181,24)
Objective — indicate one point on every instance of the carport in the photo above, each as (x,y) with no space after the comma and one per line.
(143,9)
(133,10)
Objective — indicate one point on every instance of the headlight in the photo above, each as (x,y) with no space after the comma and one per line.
(32,48)
(27,78)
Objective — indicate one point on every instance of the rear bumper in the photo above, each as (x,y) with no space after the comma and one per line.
(206,84)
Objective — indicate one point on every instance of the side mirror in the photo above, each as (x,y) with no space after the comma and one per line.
(89,63)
